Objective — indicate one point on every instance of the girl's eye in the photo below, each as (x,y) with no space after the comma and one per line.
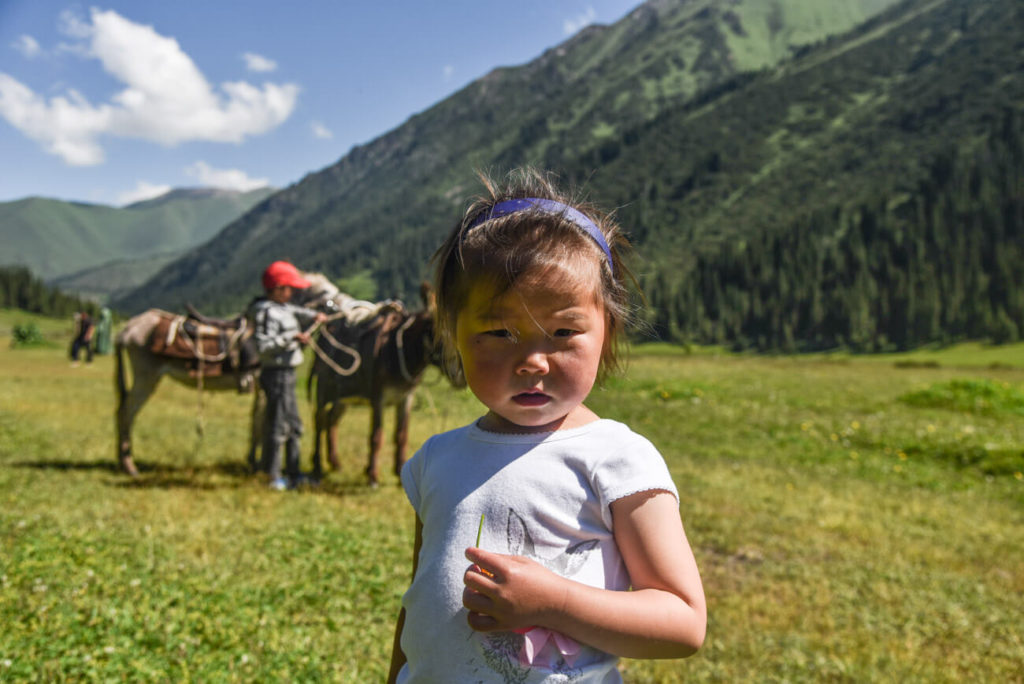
(498,332)
(564,332)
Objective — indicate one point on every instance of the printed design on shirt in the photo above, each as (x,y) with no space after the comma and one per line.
(501,649)
(501,653)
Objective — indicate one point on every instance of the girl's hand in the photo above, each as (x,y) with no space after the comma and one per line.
(509,592)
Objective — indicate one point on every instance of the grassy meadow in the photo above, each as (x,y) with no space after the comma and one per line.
(854,518)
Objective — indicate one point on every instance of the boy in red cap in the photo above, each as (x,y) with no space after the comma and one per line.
(279,336)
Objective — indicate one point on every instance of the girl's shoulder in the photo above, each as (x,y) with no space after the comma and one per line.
(614,434)
(446,440)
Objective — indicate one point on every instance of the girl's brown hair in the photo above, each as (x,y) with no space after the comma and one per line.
(497,252)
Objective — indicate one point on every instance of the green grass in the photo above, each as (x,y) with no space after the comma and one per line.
(843,533)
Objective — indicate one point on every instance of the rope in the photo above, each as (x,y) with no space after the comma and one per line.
(178,328)
(325,334)
(200,427)
(399,342)
(344,372)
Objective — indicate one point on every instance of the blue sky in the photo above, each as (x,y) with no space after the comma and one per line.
(120,101)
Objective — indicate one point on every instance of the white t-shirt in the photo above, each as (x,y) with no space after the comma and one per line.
(545,496)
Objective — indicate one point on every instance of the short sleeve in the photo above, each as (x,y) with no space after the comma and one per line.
(631,465)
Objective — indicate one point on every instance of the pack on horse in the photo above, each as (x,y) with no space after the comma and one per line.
(202,352)
(379,359)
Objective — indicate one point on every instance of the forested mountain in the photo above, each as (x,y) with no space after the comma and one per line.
(55,238)
(383,207)
(804,204)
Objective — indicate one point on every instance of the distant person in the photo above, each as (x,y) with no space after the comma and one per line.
(279,335)
(84,330)
(583,558)
(103,332)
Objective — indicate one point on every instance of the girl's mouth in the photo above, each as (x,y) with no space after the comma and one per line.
(531,399)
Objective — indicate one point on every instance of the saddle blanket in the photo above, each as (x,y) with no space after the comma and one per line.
(186,339)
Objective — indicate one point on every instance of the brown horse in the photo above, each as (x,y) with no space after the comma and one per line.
(381,361)
(207,369)
(134,344)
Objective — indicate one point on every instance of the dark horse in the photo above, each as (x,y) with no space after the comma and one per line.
(380,360)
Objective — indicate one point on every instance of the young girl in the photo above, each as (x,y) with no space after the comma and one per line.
(581,555)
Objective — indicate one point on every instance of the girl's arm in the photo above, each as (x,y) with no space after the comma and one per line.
(397,655)
(664,616)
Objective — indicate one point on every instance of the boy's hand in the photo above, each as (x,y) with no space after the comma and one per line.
(509,592)
(302,337)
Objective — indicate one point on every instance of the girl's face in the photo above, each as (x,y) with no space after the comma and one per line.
(532,355)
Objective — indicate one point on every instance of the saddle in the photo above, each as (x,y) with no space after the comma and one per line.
(210,346)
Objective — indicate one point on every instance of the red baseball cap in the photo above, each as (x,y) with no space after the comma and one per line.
(283,273)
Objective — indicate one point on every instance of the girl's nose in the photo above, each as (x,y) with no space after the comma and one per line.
(534,362)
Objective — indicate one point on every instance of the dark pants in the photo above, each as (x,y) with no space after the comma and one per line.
(79,344)
(282,425)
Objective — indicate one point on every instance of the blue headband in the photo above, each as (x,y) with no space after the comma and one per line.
(547,206)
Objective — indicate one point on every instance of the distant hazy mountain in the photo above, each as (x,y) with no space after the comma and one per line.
(861,191)
(55,238)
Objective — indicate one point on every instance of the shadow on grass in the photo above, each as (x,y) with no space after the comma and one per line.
(109,466)
(207,477)
(154,476)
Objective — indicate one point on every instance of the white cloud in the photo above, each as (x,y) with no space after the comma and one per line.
(321,131)
(72,26)
(27,46)
(143,191)
(448,72)
(227,179)
(254,62)
(166,100)
(574,24)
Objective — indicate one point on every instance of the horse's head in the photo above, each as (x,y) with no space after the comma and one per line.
(319,295)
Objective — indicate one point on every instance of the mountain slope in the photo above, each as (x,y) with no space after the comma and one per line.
(384,206)
(56,238)
(866,194)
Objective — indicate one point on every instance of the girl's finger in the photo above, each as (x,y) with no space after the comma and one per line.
(481,622)
(485,561)
(476,602)
(478,579)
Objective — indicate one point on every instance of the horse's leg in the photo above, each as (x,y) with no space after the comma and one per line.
(131,401)
(320,427)
(337,411)
(259,407)
(376,437)
(402,411)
